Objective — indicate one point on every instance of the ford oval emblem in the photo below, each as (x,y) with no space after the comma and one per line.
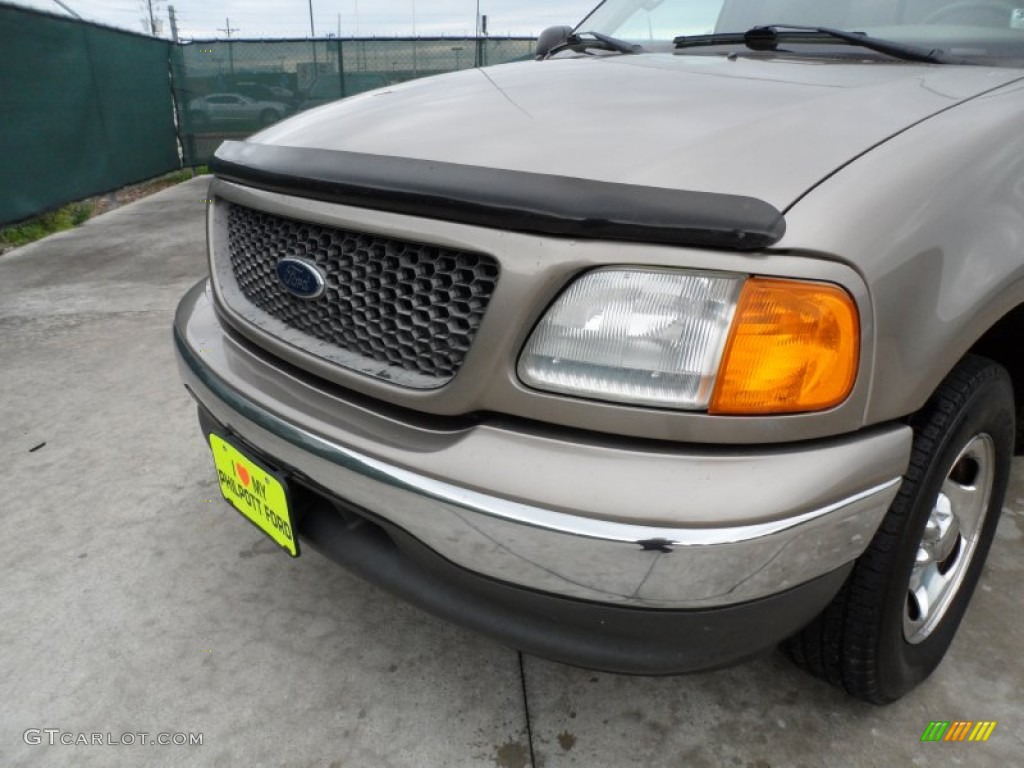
(301,278)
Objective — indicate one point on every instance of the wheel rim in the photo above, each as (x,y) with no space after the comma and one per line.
(950,538)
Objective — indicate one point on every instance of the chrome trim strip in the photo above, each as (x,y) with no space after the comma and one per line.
(502,509)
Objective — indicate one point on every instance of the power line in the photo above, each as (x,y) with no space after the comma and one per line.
(200,21)
(152,21)
(66,8)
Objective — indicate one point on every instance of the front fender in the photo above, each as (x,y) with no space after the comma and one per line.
(933,219)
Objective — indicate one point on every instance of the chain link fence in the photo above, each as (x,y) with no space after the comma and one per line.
(230,89)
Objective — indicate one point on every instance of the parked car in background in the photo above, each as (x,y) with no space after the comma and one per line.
(328,88)
(234,110)
(261,92)
(700,334)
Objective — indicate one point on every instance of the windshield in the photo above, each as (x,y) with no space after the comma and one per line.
(967,28)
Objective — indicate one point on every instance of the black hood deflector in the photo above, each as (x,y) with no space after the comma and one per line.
(517,201)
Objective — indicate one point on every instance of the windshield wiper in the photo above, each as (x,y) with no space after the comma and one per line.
(768,37)
(582,41)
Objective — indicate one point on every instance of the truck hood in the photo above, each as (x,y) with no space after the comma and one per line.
(764,128)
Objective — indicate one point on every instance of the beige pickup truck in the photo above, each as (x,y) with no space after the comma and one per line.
(699,334)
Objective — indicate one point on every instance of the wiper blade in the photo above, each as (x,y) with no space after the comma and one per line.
(769,34)
(768,37)
(719,38)
(582,41)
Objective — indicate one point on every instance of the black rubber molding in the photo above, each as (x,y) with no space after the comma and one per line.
(511,200)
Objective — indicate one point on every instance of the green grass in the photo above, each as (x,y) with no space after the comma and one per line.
(185,174)
(67,217)
(76,214)
(178,176)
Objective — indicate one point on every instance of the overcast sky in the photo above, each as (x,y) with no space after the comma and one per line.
(290,18)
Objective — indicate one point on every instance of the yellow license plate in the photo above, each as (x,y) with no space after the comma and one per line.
(254,492)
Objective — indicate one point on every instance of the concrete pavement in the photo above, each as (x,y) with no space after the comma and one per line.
(134,600)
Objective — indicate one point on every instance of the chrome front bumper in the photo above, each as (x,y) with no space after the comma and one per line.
(613,521)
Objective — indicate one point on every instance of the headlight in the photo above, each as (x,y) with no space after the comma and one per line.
(697,341)
(637,336)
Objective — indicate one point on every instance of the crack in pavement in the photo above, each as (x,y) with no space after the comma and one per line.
(526,710)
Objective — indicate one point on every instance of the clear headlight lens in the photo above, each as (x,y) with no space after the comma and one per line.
(641,336)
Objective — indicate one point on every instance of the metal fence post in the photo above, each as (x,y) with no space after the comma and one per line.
(341,70)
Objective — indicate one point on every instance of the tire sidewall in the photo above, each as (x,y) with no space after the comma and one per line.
(902,664)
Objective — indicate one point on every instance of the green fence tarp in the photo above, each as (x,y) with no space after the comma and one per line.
(85,110)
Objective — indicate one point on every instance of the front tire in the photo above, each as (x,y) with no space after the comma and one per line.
(894,619)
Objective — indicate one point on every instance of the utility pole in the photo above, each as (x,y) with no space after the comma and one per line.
(228,29)
(174,23)
(312,34)
(483,40)
(415,45)
(152,21)
(476,34)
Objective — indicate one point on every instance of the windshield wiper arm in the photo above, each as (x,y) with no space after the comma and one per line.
(767,37)
(581,41)
(770,35)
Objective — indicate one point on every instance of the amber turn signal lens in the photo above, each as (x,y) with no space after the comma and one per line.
(794,347)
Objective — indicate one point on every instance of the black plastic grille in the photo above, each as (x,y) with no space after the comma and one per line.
(404,308)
